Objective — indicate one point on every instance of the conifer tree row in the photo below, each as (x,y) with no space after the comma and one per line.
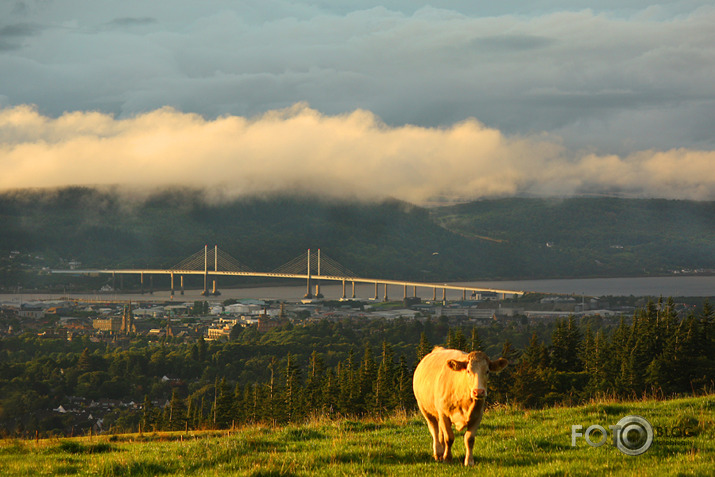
(257,380)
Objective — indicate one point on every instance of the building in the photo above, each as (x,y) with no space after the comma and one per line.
(216,333)
(112,324)
(128,325)
(266,324)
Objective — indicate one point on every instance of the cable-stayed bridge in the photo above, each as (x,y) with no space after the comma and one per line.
(312,266)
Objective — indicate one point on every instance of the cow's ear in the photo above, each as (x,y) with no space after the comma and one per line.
(498,365)
(455,365)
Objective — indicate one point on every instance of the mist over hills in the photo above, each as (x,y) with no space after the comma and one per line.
(487,239)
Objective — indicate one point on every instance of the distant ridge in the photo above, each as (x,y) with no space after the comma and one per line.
(487,239)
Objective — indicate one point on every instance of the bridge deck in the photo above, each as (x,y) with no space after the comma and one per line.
(377,281)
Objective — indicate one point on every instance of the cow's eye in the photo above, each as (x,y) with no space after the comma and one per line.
(487,372)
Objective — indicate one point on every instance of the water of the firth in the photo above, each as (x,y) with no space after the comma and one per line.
(694,286)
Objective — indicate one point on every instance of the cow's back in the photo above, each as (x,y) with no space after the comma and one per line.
(426,382)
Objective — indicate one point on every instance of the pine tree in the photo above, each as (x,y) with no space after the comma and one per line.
(84,364)
(330,393)
(238,408)
(384,383)
(601,376)
(527,384)
(349,384)
(271,410)
(533,354)
(292,389)
(565,346)
(404,395)
(367,375)
(190,413)
(500,384)
(315,381)
(459,341)
(476,342)
(177,412)
(223,412)
(707,331)
(202,349)
(424,347)
(148,418)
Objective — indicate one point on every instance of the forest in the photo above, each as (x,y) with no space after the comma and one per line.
(349,368)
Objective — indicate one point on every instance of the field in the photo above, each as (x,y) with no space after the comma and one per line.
(510,441)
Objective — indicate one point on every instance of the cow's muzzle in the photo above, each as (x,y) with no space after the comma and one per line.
(479,393)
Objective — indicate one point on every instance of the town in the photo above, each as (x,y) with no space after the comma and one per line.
(109,320)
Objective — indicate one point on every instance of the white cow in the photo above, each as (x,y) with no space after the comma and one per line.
(451,387)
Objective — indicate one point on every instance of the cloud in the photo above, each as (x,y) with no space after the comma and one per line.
(130,22)
(353,154)
(11,36)
(619,78)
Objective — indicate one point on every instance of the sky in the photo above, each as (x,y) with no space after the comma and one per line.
(422,101)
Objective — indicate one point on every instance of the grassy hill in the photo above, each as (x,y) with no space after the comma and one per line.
(510,442)
(509,238)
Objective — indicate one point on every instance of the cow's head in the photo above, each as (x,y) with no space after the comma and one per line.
(477,367)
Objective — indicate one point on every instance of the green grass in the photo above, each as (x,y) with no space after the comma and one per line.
(510,442)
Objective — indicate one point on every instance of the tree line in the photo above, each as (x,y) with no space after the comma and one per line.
(349,368)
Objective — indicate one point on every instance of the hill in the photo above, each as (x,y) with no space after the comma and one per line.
(589,236)
(509,238)
(510,441)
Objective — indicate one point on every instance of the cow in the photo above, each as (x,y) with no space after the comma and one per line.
(451,388)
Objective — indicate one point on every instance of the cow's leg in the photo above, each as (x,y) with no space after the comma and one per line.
(475,419)
(437,446)
(469,445)
(446,436)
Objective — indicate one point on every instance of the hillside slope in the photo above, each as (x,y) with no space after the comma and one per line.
(510,442)
(590,237)
(510,238)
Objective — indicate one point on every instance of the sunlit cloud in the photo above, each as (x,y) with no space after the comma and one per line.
(616,76)
(299,149)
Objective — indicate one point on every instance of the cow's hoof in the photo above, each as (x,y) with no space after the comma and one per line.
(468,462)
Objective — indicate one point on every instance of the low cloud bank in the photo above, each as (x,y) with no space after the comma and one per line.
(356,155)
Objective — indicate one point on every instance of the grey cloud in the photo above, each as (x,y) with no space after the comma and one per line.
(11,36)
(131,21)
(506,43)
(523,67)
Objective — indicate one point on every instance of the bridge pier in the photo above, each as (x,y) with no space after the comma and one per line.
(434,294)
(206,271)
(404,294)
(141,284)
(464,295)
(444,295)
(343,297)
(215,291)
(317,283)
(151,284)
(386,299)
(414,291)
(181,278)
(172,285)
(376,291)
(308,294)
